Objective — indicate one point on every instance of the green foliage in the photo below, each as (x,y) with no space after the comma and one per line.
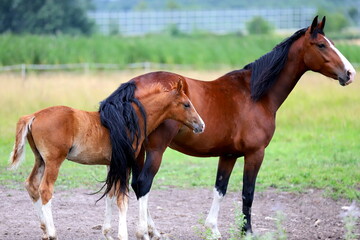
(337,23)
(201,231)
(235,230)
(196,51)
(259,25)
(172,5)
(44,17)
(199,51)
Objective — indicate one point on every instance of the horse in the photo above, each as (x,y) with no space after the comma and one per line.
(110,136)
(247,101)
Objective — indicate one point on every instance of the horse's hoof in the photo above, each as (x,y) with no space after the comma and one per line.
(142,236)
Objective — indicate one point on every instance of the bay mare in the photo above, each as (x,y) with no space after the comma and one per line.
(239,110)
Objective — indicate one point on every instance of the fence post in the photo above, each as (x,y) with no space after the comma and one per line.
(147,66)
(23,71)
(86,68)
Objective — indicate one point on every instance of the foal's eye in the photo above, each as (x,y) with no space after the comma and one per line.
(186,105)
(321,45)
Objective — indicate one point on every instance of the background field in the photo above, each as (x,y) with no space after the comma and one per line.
(202,51)
(316,144)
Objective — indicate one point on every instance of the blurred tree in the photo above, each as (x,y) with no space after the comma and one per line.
(353,13)
(141,6)
(259,25)
(45,17)
(337,20)
(172,5)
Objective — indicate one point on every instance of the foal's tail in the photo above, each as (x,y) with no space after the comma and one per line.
(22,129)
(117,114)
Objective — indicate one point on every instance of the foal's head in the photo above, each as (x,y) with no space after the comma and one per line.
(182,110)
(320,55)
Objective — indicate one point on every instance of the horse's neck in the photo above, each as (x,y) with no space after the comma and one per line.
(288,78)
(155,108)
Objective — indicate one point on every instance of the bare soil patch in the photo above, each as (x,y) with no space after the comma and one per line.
(177,213)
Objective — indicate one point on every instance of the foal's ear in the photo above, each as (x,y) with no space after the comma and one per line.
(322,23)
(314,24)
(180,86)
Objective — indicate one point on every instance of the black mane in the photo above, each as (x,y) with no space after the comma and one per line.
(119,116)
(267,68)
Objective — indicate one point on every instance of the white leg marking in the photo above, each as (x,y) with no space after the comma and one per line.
(142,232)
(154,233)
(49,222)
(123,233)
(38,210)
(348,66)
(106,228)
(211,220)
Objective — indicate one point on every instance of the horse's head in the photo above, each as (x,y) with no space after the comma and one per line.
(320,55)
(182,109)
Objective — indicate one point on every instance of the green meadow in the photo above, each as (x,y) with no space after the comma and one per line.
(316,143)
(200,51)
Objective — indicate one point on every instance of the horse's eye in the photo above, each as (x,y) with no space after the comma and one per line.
(186,105)
(321,45)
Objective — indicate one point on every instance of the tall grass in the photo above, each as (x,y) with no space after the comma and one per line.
(200,51)
(316,144)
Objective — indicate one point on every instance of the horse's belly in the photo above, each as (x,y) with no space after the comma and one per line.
(203,146)
(92,156)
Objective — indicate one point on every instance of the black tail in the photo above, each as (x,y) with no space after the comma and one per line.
(119,116)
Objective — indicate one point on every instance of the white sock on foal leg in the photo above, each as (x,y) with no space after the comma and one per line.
(46,219)
(106,228)
(142,232)
(49,222)
(123,233)
(211,220)
(39,213)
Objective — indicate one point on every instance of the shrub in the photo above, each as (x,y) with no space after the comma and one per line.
(259,25)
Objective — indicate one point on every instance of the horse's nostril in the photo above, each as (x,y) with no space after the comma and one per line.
(348,74)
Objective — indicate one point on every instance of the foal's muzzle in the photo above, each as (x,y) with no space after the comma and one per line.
(198,127)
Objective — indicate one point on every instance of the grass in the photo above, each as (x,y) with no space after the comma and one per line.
(316,144)
(200,51)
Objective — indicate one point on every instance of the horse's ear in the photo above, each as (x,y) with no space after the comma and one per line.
(180,86)
(322,23)
(314,24)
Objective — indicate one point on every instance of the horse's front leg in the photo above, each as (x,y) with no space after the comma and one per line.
(142,231)
(122,203)
(157,142)
(110,200)
(252,165)
(225,167)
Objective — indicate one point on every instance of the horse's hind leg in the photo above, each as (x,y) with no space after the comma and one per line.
(46,189)
(32,186)
(110,200)
(225,167)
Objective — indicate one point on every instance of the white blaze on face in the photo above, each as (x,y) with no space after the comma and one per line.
(347,65)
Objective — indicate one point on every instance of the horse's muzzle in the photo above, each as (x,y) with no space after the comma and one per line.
(198,128)
(347,78)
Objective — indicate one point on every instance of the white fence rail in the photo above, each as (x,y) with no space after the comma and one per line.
(86,67)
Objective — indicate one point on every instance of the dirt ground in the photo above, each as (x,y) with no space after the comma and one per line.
(177,214)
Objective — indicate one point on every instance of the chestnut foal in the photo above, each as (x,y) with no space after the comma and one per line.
(59,133)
